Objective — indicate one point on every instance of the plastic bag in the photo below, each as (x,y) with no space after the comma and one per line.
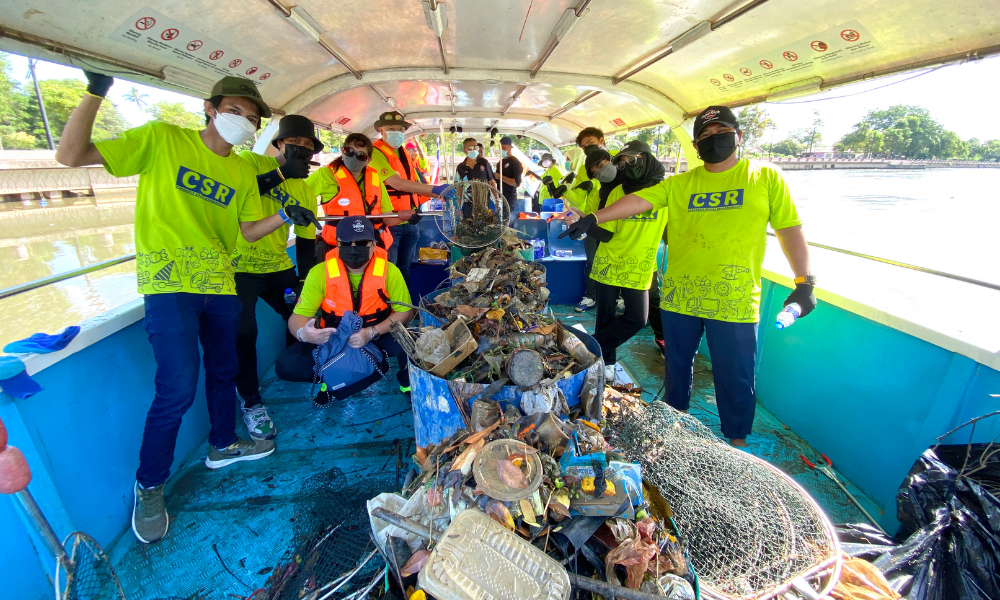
(951,527)
(433,346)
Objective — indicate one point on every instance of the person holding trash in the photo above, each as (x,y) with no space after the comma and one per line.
(349,185)
(399,174)
(626,257)
(356,276)
(195,198)
(263,268)
(717,226)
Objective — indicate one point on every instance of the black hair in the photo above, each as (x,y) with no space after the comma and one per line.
(215,101)
(467,140)
(353,138)
(589,132)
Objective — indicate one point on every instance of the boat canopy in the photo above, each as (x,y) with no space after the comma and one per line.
(544,68)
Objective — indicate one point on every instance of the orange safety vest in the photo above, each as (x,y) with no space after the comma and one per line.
(370,301)
(400,200)
(348,201)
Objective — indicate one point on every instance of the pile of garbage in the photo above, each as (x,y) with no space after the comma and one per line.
(520,507)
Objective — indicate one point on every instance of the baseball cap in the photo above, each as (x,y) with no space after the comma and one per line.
(634,148)
(595,157)
(353,229)
(715,114)
(241,87)
(506,141)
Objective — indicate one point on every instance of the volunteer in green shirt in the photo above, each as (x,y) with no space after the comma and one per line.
(263,269)
(195,197)
(551,178)
(717,226)
(317,314)
(626,257)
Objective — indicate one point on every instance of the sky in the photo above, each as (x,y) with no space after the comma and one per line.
(952,94)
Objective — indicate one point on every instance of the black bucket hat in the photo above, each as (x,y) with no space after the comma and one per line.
(297,126)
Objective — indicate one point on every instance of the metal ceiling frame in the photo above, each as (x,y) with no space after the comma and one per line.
(488,114)
(553,146)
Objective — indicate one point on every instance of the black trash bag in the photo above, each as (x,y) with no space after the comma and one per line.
(951,532)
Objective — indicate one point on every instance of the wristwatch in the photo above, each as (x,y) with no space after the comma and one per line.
(810,279)
(375,334)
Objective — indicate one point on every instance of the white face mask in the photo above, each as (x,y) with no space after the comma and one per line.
(546,163)
(394,138)
(233,128)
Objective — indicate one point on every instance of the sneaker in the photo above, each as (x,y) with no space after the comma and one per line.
(661,345)
(259,424)
(620,305)
(610,374)
(585,304)
(237,451)
(149,516)
(323,398)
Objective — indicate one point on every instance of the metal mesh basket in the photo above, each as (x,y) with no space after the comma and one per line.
(475,215)
(753,532)
(87,574)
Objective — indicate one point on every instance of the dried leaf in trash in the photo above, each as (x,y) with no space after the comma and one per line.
(527,512)
(479,435)
(646,529)
(499,513)
(559,508)
(417,561)
(471,312)
(434,496)
(511,475)
(634,555)
(421,455)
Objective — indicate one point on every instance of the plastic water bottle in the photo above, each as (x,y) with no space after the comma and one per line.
(788,316)
(290,298)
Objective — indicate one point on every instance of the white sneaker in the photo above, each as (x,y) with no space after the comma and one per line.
(585,304)
(610,374)
(258,422)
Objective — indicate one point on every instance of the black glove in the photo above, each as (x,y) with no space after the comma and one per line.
(415,218)
(578,229)
(268,181)
(804,296)
(569,178)
(295,169)
(587,186)
(547,180)
(600,234)
(300,216)
(98,84)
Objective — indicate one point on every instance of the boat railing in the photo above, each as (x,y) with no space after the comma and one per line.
(31,285)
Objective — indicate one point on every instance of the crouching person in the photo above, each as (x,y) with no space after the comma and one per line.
(356,276)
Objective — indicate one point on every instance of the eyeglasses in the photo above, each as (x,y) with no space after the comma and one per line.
(362,156)
(358,243)
(622,161)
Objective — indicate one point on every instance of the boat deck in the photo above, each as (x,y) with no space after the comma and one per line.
(230,528)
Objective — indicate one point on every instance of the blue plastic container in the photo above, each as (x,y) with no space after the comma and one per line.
(436,416)
(565,248)
(552,205)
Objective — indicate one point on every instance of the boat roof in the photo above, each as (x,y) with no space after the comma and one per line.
(542,68)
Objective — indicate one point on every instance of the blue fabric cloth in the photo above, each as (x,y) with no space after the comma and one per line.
(14,380)
(341,366)
(405,238)
(733,347)
(41,343)
(175,323)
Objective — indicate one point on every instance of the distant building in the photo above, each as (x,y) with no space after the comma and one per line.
(828,152)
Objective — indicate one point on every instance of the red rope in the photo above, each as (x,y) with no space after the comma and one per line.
(525,20)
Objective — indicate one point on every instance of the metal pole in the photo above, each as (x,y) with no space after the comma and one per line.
(42,526)
(41,103)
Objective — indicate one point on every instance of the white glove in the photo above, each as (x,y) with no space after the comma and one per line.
(309,334)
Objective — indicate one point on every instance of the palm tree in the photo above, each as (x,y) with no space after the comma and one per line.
(133,95)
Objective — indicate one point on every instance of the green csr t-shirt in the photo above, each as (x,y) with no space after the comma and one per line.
(326,187)
(188,207)
(268,254)
(556,174)
(629,258)
(314,289)
(717,231)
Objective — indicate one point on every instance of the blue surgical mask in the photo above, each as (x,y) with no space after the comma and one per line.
(473,154)
(394,138)
(504,154)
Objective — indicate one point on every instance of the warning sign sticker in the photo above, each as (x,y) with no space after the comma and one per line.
(798,60)
(184,47)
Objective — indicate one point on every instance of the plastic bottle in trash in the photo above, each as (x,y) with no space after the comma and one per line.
(290,298)
(787,317)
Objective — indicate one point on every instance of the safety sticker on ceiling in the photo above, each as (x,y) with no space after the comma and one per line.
(797,60)
(184,47)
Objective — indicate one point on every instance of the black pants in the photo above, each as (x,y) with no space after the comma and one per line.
(590,247)
(611,330)
(269,287)
(296,364)
(655,322)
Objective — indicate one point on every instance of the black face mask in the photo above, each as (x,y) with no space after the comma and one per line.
(354,257)
(588,149)
(635,170)
(717,148)
(293,152)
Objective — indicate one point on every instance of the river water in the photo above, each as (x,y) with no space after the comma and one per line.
(943,219)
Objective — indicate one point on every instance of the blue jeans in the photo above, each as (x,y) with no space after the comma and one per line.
(175,323)
(405,238)
(733,347)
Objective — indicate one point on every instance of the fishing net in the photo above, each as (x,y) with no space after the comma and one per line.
(752,530)
(475,215)
(87,574)
(332,554)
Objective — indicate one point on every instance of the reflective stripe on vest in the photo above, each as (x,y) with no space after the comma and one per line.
(400,200)
(339,298)
(348,200)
